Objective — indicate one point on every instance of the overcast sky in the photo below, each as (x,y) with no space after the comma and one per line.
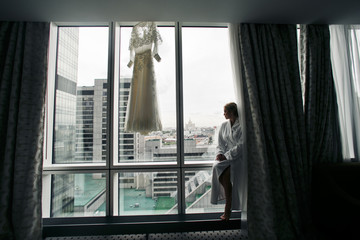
(207,74)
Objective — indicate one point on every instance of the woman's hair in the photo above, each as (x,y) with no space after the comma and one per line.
(232,107)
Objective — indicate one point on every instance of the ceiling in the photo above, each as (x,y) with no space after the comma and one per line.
(250,11)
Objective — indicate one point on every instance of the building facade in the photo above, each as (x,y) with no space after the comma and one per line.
(62,196)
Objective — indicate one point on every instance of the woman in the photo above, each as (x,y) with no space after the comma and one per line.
(225,183)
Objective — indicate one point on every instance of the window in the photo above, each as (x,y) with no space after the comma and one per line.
(92,166)
(75,115)
(207,87)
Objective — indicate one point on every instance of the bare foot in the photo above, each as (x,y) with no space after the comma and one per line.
(225,217)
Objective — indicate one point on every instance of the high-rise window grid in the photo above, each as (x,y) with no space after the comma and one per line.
(173,182)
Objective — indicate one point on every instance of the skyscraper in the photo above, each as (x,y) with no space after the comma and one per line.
(100,120)
(62,196)
(84,124)
(91,124)
(65,103)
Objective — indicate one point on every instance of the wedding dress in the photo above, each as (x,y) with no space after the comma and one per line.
(142,113)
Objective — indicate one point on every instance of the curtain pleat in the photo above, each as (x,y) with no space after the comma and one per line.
(345,59)
(23,74)
(278,168)
(321,110)
(236,67)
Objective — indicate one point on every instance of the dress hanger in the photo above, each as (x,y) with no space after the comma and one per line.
(141,24)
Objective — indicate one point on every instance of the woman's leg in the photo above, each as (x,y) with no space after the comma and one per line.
(226,183)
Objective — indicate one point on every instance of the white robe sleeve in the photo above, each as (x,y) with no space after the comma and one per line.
(221,147)
(234,152)
(230,144)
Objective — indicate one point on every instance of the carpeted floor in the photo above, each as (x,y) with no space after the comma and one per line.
(206,235)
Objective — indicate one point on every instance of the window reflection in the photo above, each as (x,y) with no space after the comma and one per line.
(78,195)
(198,192)
(81,96)
(147,193)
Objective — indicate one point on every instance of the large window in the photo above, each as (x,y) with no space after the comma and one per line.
(93,166)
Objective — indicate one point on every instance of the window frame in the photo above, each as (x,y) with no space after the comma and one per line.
(109,167)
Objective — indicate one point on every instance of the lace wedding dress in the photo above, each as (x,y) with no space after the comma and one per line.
(142,113)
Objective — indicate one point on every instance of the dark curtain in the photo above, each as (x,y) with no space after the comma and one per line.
(278,168)
(23,73)
(323,136)
(321,110)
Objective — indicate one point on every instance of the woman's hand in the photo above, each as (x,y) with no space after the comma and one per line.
(220,157)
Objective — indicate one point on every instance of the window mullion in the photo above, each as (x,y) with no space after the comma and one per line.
(180,121)
(110,113)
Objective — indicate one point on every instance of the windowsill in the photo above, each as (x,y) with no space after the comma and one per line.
(117,225)
(102,166)
(164,164)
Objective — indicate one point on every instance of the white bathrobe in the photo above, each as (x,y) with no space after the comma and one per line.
(230,143)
